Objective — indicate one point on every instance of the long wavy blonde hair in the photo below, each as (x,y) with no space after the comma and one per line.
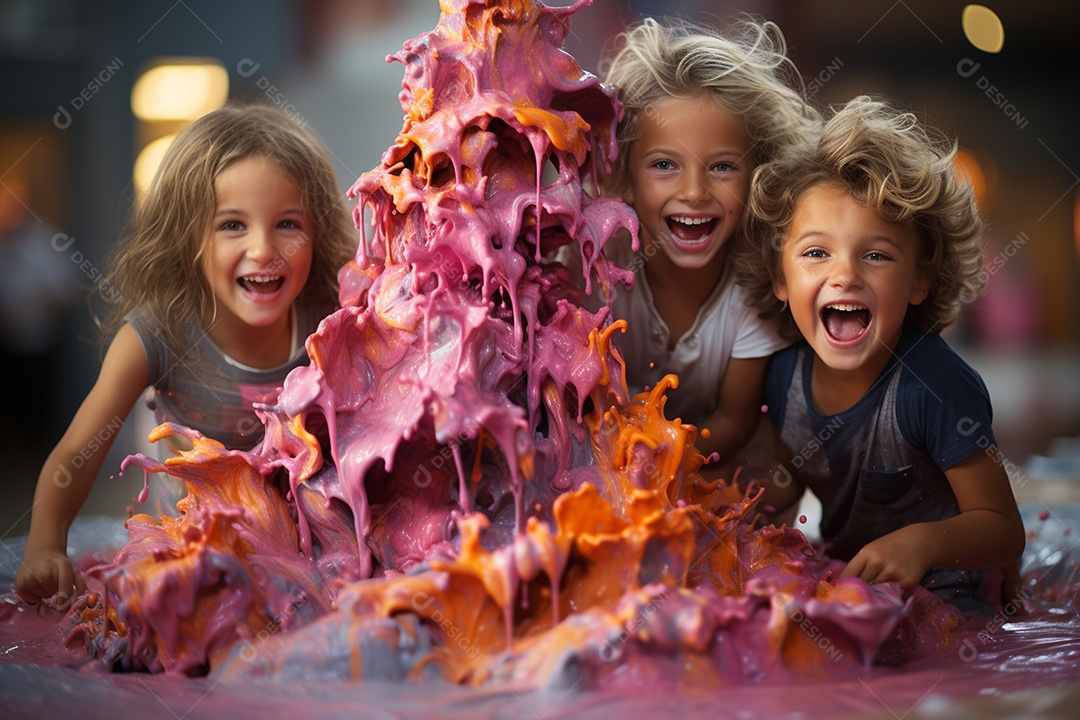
(157,265)
(890,162)
(746,70)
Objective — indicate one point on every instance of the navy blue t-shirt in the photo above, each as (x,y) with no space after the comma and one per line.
(879,465)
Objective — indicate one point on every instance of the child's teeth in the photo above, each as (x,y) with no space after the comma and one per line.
(845,308)
(260,285)
(691,221)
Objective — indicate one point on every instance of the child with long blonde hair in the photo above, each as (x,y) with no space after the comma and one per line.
(702,110)
(231,264)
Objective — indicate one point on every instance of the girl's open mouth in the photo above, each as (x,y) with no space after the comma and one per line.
(691,229)
(261,286)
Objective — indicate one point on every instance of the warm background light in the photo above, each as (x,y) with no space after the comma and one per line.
(983,28)
(1076,222)
(146,164)
(978,167)
(180,90)
(169,94)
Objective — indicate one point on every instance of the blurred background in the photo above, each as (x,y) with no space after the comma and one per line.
(89,88)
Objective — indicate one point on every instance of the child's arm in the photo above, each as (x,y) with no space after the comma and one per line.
(783,488)
(71,468)
(737,417)
(987,533)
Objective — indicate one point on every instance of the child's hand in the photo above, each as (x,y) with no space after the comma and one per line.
(1012,591)
(899,557)
(47,574)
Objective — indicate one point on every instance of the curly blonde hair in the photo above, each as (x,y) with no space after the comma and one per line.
(157,265)
(746,71)
(890,162)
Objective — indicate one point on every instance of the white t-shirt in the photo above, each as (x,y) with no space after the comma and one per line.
(726,327)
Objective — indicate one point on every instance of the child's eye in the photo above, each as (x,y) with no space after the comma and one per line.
(876,256)
(724,167)
(232,226)
(814,253)
(663,165)
(289,225)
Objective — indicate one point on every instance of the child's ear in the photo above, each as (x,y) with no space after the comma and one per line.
(779,287)
(627,194)
(921,289)
(775,267)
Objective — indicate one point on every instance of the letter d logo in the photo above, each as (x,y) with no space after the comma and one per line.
(62,477)
(781,477)
(62,118)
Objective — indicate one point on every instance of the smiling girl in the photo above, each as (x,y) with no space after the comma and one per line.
(232,264)
(702,110)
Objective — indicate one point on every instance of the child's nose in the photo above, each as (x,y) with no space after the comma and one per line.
(694,185)
(261,246)
(846,272)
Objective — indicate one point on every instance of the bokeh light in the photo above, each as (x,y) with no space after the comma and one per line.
(180,89)
(146,164)
(983,28)
(978,167)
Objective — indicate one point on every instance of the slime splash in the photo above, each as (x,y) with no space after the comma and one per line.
(457,486)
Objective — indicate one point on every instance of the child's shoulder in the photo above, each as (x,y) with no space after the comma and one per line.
(933,373)
(931,355)
(786,357)
(781,369)
(140,315)
(145,326)
(942,402)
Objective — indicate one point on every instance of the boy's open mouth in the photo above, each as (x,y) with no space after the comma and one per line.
(845,322)
(262,286)
(690,229)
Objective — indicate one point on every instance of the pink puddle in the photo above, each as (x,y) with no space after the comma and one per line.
(1028,668)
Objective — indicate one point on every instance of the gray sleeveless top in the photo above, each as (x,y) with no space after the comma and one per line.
(203,389)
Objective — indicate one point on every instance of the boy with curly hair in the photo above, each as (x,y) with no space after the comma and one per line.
(877,240)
